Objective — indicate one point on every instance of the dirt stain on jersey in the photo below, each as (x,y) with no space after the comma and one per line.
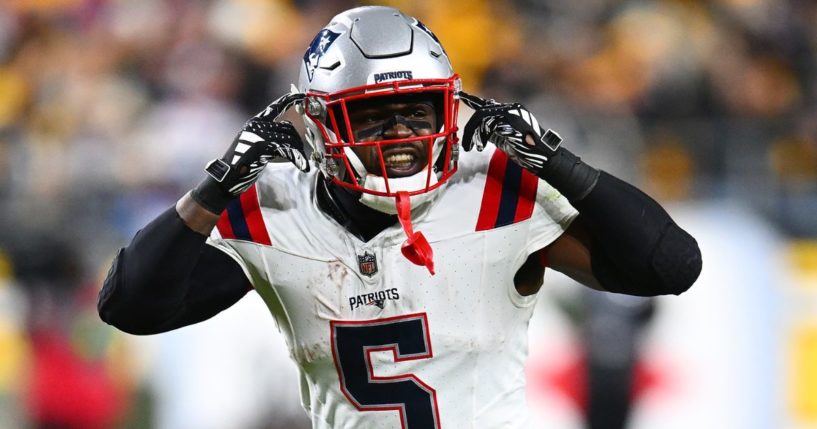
(315,352)
(327,290)
(338,274)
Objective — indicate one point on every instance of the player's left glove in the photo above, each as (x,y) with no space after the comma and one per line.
(262,139)
(637,248)
(507,125)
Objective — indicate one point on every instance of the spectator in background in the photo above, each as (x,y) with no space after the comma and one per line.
(13,343)
(71,381)
(83,78)
(307,230)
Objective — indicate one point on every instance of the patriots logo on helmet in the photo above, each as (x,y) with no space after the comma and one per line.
(425,29)
(320,44)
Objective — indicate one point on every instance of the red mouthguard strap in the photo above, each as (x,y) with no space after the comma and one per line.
(416,248)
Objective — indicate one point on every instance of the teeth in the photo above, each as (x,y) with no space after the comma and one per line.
(399,159)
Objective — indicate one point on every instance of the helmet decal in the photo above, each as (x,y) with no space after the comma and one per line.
(391,75)
(382,118)
(425,29)
(379,58)
(320,44)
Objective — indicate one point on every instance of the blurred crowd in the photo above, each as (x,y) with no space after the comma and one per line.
(110,108)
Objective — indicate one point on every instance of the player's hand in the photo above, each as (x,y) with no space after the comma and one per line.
(261,139)
(515,131)
(507,125)
(281,137)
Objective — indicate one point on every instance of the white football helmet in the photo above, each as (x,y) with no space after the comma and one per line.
(370,52)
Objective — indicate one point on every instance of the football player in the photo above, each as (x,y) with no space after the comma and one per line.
(401,265)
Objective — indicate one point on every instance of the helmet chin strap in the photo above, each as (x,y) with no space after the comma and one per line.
(374,182)
(402,184)
(416,248)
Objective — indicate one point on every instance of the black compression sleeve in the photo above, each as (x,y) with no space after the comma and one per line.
(168,277)
(637,248)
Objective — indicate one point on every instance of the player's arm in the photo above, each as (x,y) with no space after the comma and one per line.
(168,276)
(622,241)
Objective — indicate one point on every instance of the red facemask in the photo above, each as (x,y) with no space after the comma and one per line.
(331,114)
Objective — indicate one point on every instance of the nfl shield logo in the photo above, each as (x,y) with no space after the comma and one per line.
(367,263)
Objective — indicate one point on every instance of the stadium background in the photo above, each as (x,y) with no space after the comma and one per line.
(109,109)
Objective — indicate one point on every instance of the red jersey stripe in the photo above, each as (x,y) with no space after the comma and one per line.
(253,217)
(527,196)
(225,228)
(489,209)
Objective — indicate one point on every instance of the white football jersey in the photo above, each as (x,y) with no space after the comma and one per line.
(380,342)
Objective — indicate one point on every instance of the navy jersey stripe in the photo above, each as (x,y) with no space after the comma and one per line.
(237,221)
(510,194)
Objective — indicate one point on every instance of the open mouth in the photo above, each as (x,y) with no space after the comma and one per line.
(404,160)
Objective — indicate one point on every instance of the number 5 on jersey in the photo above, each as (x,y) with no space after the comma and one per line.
(407,338)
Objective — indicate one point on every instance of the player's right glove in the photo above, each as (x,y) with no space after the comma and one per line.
(508,126)
(260,140)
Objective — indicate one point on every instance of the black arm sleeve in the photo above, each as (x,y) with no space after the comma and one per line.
(168,277)
(637,248)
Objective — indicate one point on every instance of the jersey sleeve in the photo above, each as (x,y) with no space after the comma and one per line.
(226,246)
(241,227)
(512,195)
(552,215)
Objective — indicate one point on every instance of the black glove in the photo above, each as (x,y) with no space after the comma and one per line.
(636,247)
(260,140)
(506,125)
